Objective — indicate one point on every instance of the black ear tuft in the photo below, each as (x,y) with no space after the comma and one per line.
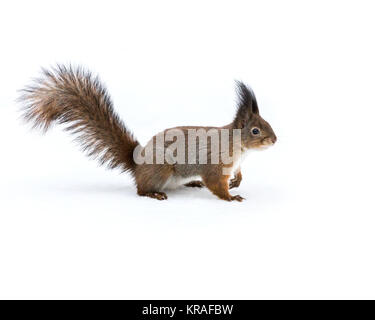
(247,104)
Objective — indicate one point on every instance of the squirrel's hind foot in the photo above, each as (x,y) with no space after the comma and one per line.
(236,198)
(195,184)
(155,195)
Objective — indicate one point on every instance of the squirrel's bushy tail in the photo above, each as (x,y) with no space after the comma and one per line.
(73,96)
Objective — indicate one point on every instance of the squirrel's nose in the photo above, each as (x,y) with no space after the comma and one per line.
(274,139)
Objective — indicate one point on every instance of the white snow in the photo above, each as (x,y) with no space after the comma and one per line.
(70,229)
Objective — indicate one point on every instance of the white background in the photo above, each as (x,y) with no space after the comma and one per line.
(71,229)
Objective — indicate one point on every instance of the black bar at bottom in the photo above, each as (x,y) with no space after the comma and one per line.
(184,309)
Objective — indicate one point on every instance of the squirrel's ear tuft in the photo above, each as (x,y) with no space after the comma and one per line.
(247,104)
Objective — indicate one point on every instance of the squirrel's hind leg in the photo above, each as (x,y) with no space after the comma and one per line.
(151,180)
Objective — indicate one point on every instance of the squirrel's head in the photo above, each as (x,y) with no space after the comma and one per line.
(256,133)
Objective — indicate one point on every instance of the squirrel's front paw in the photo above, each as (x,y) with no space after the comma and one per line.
(234,183)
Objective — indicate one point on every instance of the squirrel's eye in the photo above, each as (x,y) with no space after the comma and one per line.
(255,131)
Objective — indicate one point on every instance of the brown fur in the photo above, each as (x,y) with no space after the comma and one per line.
(217,183)
(152,177)
(74,97)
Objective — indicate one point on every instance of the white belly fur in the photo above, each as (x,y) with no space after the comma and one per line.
(174,182)
(237,162)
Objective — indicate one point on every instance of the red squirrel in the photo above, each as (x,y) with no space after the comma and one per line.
(73,96)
